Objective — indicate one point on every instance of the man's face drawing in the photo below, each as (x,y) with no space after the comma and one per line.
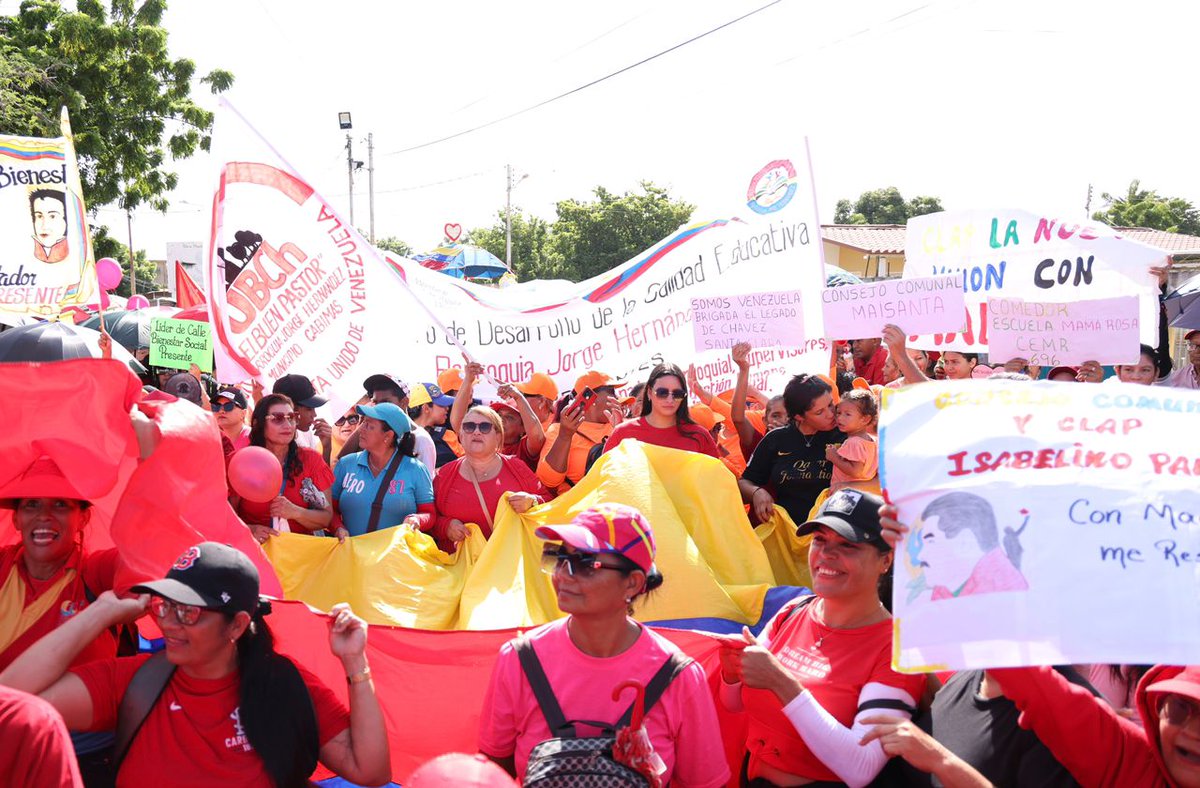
(947,562)
(49,221)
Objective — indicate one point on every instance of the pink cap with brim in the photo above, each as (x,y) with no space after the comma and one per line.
(607,528)
(42,479)
(499,406)
(456,768)
(1186,683)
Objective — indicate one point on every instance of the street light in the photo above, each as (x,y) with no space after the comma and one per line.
(344,121)
(345,125)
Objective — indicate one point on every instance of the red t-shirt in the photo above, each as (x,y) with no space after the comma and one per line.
(95,570)
(35,748)
(312,466)
(192,736)
(689,437)
(455,499)
(871,370)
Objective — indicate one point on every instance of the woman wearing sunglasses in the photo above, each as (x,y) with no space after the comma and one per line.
(233,711)
(304,500)
(469,489)
(664,417)
(600,564)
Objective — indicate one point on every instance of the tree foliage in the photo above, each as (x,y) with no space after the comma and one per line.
(884,206)
(395,246)
(587,237)
(104,245)
(1141,208)
(130,101)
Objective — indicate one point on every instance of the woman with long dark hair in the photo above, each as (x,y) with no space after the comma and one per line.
(230,710)
(664,419)
(304,499)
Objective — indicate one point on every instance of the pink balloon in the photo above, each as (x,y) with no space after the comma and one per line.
(108,273)
(255,474)
(136,302)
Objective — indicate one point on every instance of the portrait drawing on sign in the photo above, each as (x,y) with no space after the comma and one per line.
(48,212)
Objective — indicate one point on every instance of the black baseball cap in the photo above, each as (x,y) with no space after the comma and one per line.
(210,575)
(851,514)
(382,382)
(184,386)
(236,396)
(299,390)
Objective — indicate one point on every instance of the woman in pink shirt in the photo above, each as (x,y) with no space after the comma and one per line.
(605,560)
(665,420)
(469,489)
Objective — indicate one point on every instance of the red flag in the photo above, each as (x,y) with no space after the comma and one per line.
(187,293)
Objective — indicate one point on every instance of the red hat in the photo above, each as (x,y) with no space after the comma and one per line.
(42,479)
(456,768)
(1191,334)
(499,405)
(1073,370)
(539,385)
(607,528)
(1186,683)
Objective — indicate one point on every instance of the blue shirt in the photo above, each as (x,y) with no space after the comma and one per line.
(355,487)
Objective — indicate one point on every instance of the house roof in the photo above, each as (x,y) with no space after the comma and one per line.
(870,238)
(1175,243)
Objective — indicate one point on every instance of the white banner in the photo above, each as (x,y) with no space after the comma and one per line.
(1051,523)
(295,289)
(1015,253)
(46,262)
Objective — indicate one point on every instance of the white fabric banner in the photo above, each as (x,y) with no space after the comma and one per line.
(1051,523)
(294,288)
(1016,253)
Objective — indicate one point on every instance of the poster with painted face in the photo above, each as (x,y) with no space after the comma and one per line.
(46,260)
(1049,523)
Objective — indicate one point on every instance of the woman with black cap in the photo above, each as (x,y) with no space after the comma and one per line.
(230,710)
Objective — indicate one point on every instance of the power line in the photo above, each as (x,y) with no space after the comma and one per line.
(594,82)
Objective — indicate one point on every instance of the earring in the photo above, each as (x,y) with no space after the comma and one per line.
(629,600)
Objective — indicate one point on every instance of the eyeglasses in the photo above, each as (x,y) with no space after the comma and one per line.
(1177,709)
(583,565)
(662,392)
(352,419)
(280,418)
(184,614)
(484,427)
(226,407)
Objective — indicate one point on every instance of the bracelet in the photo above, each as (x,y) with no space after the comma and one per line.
(359,677)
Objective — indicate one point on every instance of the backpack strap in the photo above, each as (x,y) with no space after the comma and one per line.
(142,692)
(804,602)
(377,504)
(559,727)
(675,664)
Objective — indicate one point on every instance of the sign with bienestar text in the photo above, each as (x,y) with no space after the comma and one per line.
(1104,330)
(918,306)
(178,344)
(762,319)
(1051,523)
(1010,253)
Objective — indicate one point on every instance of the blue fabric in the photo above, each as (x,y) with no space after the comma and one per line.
(354,489)
(776,598)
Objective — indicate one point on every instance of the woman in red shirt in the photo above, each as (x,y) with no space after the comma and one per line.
(665,420)
(469,489)
(305,498)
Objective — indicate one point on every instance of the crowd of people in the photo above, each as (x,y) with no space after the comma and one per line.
(822,702)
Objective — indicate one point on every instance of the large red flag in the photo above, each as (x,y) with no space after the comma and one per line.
(187,293)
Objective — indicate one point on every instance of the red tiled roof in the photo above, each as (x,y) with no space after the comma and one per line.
(870,238)
(1175,243)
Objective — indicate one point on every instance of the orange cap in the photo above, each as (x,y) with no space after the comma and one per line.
(705,416)
(593,379)
(539,385)
(450,379)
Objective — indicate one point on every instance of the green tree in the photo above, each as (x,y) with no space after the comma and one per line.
(104,245)
(130,102)
(395,246)
(884,206)
(1141,208)
(532,257)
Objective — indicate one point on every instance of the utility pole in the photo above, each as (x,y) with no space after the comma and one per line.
(371,180)
(508,216)
(1087,209)
(132,268)
(350,173)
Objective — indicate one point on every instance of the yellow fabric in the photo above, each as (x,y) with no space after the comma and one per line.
(15,617)
(787,552)
(713,562)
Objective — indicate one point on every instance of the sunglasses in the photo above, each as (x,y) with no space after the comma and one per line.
(484,427)
(1177,709)
(662,392)
(280,418)
(224,407)
(352,419)
(583,565)
(184,614)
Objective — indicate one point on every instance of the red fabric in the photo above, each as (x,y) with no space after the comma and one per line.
(192,736)
(312,466)
(35,747)
(688,437)
(187,293)
(455,497)
(871,370)
(520,450)
(95,571)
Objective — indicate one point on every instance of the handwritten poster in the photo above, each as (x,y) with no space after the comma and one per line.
(1009,253)
(918,306)
(178,344)
(762,319)
(1052,523)
(1048,333)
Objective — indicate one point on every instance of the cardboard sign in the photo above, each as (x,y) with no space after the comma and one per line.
(922,305)
(762,319)
(180,343)
(1051,333)
(1051,523)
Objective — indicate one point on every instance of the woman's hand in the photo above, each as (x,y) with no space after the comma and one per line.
(117,610)
(901,737)
(413,522)
(893,337)
(1090,372)
(893,529)
(741,355)
(615,415)
(341,533)
(731,658)
(761,670)
(472,372)
(261,532)
(763,503)
(105,345)
(282,507)
(347,632)
(457,532)
(522,502)
(572,417)
(509,392)
(831,451)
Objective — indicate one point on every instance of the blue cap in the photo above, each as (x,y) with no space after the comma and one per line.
(390,414)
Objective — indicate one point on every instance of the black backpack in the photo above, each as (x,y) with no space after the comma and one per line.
(569,760)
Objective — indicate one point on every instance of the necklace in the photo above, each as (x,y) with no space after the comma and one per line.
(819,621)
(487,473)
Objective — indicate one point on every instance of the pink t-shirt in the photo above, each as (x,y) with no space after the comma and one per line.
(682,726)
(856,450)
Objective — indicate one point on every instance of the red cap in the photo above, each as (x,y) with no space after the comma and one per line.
(607,528)
(42,479)
(1186,683)
(500,405)
(456,768)
(1073,370)
(539,385)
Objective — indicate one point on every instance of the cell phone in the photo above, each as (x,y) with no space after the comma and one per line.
(586,399)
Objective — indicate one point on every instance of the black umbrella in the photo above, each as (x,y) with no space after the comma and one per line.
(58,342)
(130,328)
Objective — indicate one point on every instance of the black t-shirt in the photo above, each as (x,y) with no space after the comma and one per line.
(793,467)
(445,454)
(985,734)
